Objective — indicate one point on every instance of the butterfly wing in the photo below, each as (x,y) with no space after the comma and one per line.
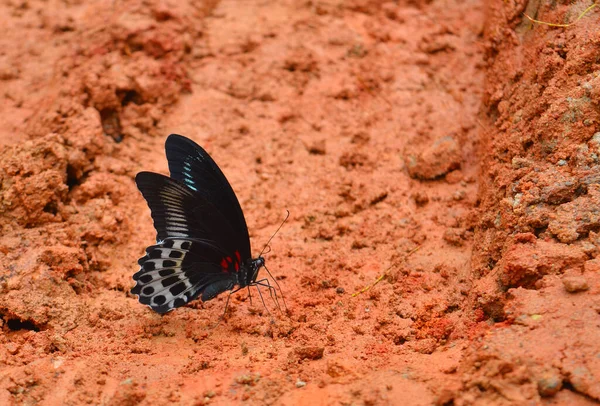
(202,237)
(178,270)
(193,167)
(178,211)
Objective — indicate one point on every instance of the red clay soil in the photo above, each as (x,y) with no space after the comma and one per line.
(450,148)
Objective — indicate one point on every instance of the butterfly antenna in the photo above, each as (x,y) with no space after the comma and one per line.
(275,233)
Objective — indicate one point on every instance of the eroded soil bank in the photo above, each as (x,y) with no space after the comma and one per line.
(447,145)
(535,267)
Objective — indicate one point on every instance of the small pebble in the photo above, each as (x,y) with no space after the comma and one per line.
(421,198)
(340,291)
(11,347)
(518,163)
(575,284)
(317,148)
(596,305)
(435,160)
(549,384)
(300,384)
(454,177)
(311,353)
(459,195)
(248,379)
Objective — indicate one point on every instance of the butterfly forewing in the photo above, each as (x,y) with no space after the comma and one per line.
(178,211)
(191,165)
(168,203)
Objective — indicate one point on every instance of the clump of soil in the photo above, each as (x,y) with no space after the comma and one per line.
(467,206)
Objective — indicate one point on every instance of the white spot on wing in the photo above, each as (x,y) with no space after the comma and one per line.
(176,228)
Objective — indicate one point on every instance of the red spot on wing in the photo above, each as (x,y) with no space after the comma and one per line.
(237,255)
(229,259)
(237,267)
(224,264)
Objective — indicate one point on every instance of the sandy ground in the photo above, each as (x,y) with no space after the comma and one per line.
(449,148)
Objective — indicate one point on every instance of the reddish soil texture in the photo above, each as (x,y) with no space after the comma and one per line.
(535,267)
(449,146)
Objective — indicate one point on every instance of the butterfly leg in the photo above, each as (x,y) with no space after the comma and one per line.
(272,291)
(249,295)
(226,307)
(278,287)
(266,283)
(263,301)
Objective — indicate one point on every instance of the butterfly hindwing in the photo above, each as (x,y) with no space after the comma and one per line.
(176,271)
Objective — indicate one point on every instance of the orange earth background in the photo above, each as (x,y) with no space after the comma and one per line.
(450,147)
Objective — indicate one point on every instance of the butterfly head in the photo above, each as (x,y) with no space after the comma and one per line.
(255,266)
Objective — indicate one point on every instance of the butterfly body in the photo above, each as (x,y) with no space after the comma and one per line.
(203,247)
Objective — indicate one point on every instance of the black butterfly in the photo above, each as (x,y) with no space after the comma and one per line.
(202,244)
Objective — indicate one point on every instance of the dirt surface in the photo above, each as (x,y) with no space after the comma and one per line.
(449,148)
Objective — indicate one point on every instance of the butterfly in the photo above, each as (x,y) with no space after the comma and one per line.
(202,244)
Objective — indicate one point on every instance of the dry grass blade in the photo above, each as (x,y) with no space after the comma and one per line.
(383,275)
(586,11)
